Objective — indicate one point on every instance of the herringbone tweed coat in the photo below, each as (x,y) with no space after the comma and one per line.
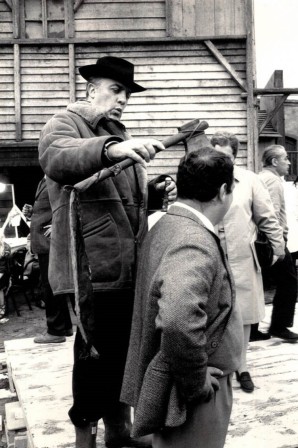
(184,298)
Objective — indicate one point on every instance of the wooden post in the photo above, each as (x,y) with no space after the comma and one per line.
(72,73)
(69,18)
(252,146)
(17,92)
(16,18)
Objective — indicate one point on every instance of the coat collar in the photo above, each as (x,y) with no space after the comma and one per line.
(89,113)
(207,223)
(186,213)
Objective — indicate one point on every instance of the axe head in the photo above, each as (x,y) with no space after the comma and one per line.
(197,138)
(198,141)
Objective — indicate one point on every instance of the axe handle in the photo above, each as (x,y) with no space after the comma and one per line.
(115,169)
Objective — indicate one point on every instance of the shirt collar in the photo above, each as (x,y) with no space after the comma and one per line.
(207,223)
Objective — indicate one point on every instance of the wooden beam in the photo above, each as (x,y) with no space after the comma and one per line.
(17,93)
(9,4)
(72,74)
(77,5)
(69,19)
(127,41)
(44,19)
(225,63)
(169,24)
(16,18)
(252,146)
(276,91)
(273,113)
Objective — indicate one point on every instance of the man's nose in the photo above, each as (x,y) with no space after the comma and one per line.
(122,98)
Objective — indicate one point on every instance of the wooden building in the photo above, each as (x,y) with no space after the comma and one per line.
(195,57)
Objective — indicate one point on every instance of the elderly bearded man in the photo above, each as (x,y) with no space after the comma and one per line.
(186,338)
(75,144)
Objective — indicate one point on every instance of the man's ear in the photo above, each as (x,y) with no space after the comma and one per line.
(91,89)
(274,161)
(222,193)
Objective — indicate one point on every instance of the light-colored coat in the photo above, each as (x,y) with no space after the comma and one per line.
(251,209)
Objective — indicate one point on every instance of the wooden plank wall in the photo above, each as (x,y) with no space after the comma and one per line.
(184,82)
(206,17)
(44,86)
(121,19)
(7,109)
(6,26)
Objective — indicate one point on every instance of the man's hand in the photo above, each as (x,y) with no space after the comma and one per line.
(48,231)
(27,210)
(211,383)
(141,150)
(171,190)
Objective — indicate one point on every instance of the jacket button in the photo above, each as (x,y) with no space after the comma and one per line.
(124,200)
(214,344)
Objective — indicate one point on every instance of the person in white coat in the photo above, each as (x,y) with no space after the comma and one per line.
(291,199)
(251,210)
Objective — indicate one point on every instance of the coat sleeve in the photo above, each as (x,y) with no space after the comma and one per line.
(65,155)
(265,216)
(185,278)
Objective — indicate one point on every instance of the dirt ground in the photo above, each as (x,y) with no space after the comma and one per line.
(29,324)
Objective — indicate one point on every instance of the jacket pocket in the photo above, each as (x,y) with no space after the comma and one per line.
(158,404)
(103,248)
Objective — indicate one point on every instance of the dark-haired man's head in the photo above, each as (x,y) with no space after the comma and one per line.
(205,178)
(226,143)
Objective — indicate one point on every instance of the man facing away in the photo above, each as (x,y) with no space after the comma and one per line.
(59,324)
(275,165)
(74,145)
(186,337)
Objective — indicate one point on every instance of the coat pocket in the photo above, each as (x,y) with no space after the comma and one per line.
(103,248)
(158,405)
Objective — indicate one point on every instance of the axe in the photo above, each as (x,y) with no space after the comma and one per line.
(192,130)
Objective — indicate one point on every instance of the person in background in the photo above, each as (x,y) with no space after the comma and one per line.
(251,210)
(186,337)
(5,252)
(291,200)
(59,324)
(74,145)
(275,166)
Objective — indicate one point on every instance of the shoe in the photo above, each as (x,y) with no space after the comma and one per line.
(68,332)
(140,442)
(285,334)
(49,339)
(259,336)
(40,304)
(245,381)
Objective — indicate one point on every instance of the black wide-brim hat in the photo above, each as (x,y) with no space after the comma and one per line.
(113,68)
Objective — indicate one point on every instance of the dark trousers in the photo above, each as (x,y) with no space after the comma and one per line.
(97,382)
(206,424)
(285,276)
(57,312)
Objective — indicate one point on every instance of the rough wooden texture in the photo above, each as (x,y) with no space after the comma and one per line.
(207,17)
(6,27)
(267,418)
(102,19)
(42,377)
(184,82)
